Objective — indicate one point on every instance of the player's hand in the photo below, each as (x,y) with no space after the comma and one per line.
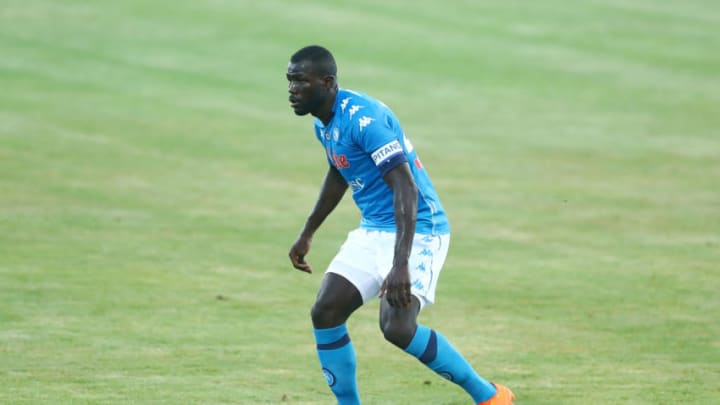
(396,287)
(297,254)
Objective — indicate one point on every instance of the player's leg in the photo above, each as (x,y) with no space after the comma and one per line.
(400,326)
(336,300)
(346,285)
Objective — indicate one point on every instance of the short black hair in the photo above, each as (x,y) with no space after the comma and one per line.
(321,59)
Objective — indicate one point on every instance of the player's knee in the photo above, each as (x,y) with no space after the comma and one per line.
(325,315)
(398,333)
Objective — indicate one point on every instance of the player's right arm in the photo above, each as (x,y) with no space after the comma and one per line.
(331,192)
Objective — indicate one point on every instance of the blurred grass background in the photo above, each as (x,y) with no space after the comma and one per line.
(153,176)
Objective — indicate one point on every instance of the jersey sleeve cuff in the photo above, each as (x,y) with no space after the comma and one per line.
(390,163)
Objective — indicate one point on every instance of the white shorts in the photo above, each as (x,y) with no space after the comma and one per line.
(366,258)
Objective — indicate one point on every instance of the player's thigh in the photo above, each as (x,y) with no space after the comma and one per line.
(427,259)
(357,262)
(337,299)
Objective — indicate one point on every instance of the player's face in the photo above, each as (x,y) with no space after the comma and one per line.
(307,89)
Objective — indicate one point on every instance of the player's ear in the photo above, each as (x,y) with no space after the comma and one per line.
(330,81)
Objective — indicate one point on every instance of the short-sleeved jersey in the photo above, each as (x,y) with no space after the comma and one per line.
(364,141)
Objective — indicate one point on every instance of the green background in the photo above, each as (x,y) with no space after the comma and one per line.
(153,177)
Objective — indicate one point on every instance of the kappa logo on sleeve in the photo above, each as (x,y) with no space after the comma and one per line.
(365,121)
(386,151)
(344,103)
(354,109)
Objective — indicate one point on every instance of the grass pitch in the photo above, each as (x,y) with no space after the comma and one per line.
(152,178)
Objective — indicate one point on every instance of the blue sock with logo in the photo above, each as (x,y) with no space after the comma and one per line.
(337,358)
(434,350)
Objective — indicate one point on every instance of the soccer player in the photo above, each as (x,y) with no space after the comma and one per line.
(399,249)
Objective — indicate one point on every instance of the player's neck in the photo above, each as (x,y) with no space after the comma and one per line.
(326,112)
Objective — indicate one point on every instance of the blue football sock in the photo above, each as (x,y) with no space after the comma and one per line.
(337,358)
(434,350)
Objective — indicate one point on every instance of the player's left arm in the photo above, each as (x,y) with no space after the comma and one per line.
(378,136)
(396,287)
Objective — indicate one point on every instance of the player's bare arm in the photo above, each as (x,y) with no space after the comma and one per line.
(396,287)
(331,193)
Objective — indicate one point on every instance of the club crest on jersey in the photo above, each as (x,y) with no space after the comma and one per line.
(340,161)
(386,151)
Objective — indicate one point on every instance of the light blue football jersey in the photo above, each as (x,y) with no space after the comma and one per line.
(364,140)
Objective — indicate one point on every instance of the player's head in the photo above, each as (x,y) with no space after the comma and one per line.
(312,80)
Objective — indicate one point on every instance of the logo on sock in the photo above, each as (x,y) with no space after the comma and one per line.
(446,375)
(330,377)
